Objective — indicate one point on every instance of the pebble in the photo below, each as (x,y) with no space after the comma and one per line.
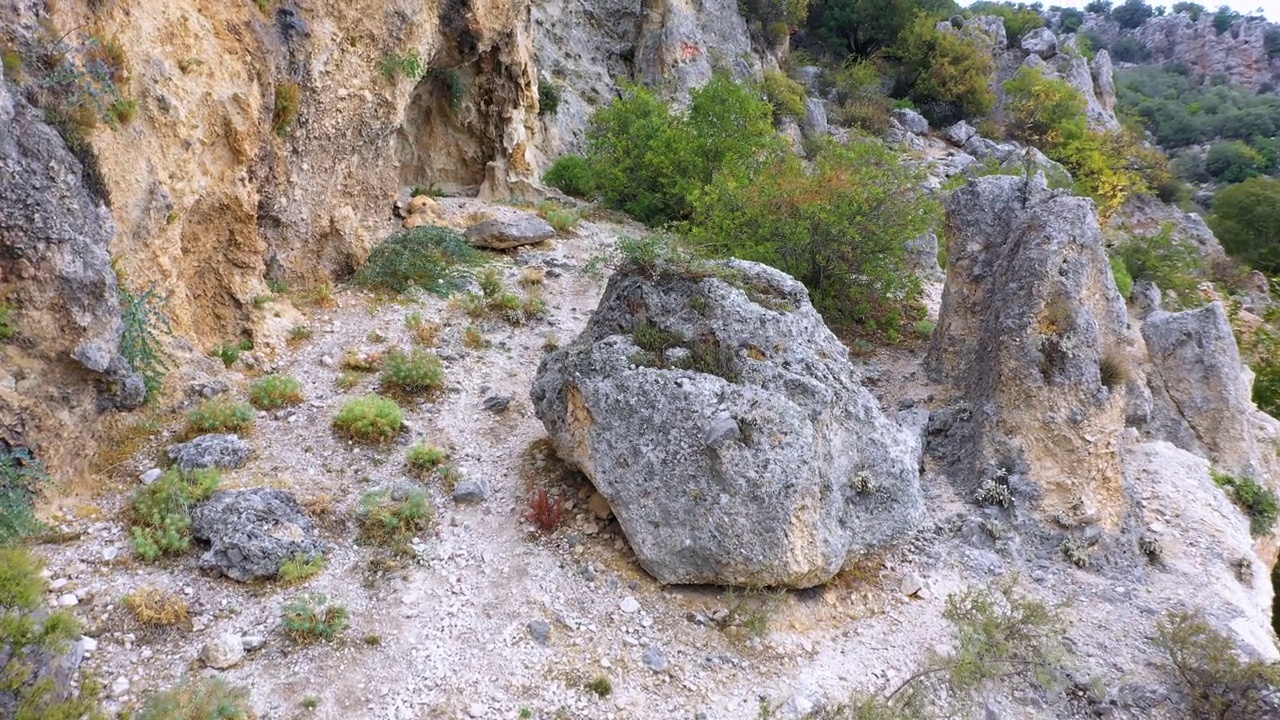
(470,491)
(109,554)
(629,604)
(223,652)
(68,600)
(58,584)
(655,659)
(151,476)
(119,687)
(89,644)
(540,630)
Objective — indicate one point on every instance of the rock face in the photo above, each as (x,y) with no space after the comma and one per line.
(911,121)
(252,532)
(763,463)
(1030,317)
(1201,397)
(63,365)
(226,452)
(1239,53)
(1040,41)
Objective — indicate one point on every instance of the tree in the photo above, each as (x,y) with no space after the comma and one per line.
(1070,20)
(1098,7)
(1246,219)
(947,76)
(1232,161)
(861,27)
(1190,8)
(1132,14)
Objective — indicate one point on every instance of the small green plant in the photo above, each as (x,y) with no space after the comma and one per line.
(273,392)
(1169,263)
(21,477)
(549,96)
(300,568)
(160,516)
(423,459)
(994,490)
(394,523)
(562,219)
(925,328)
(312,617)
(450,80)
(350,379)
(7,328)
(427,257)
(143,321)
(310,702)
(785,95)
(201,698)
(473,338)
(1257,502)
(550,342)
(753,610)
(571,175)
(1076,552)
(408,65)
(229,352)
(1219,684)
(288,102)
(425,333)
(600,685)
(416,372)
(1124,281)
(369,419)
(220,414)
(299,333)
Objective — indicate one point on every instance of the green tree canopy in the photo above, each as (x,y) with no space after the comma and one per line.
(1246,219)
(861,27)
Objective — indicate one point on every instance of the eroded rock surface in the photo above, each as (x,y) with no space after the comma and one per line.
(222,451)
(723,424)
(251,533)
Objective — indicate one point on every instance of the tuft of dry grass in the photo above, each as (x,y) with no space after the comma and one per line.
(155,607)
(1114,369)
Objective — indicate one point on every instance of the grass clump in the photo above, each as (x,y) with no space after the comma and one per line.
(220,414)
(1113,369)
(364,362)
(299,333)
(287,105)
(229,352)
(1220,685)
(1256,501)
(428,257)
(201,698)
(312,617)
(600,685)
(394,523)
(300,568)
(21,477)
(153,606)
(369,419)
(494,300)
(273,392)
(473,338)
(423,459)
(416,372)
(160,513)
(7,326)
(425,333)
(407,65)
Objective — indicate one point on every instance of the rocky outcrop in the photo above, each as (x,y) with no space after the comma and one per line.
(1147,215)
(1092,80)
(1239,53)
(62,365)
(251,533)
(1030,334)
(723,424)
(226,452)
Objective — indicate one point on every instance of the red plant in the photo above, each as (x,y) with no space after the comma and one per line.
(544,512)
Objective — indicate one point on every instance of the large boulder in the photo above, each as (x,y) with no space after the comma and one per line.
(911,121)
(215,450)
(251,533)
(509,232)
(1040,41)
(724,425)
(1031,335)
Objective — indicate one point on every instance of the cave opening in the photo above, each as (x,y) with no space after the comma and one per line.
(437,145)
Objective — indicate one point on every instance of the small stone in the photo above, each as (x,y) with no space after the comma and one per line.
(68,600)
(912,584)
(120,687)
(540,630)
(326,360)
(629,604)
(109,554)
(655,659)
(151,476)
(223,652)
(477,711)
(599,507)
(88,644)
(470,491)
(497,403)
(252,642)
(58,584)
(590,529)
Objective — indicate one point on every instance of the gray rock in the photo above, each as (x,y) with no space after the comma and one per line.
(471,491)
(252,532)
(922,256)
(1200,396)
(504,234)
(226,452)
(497,403)
(815,118)
(1029,311)
(816,475)
(1040,41)
(150,476)
(40,665)
(655,659)
(911,121)
(1145,298)
(959,134)
(223,652)
(540,630)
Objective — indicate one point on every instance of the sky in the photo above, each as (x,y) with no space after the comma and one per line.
(1269,8)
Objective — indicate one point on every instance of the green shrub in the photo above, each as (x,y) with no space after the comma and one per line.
(423,458)
(1120,273)
(571,175)
(394,523)
(370,419)
(143,321)
(859,28)
(1205,662)
(1001,632)
(1132,13)
(299,568)
(312,617)
(1190,8)
(785,95)
(948,77)
(288,103)
(1256,501)
(200,698)
(1170,264)
(839,228)
(1246,218)
(549,96)
(1018,21)
(160,516)
(21,477)
(428,257)
(861,98)
(1130,49)
(229,352)
(494,300)
(1232,161)
(1223,19)
(7,327)
(220,414)
(649,162)
(416,372)
(450,81)
(273,392)
(408,65)
(1070,20)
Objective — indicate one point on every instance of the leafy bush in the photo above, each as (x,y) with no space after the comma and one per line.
(1246,218)
(275,391)
(571,175)
(1098,7)
(1223,19)
(143,321)
(549,96)
(1159,258)
(862,101)
(1181,110)
(391,522)
(860,28)
(785,95)
(1120,272)
(416,372)
(1190,8)
(370,419)
(840,228)
(229,352)
(200,698)
(160,516)
(428,257)
(649,162)
(1232,161)
(1256,501)
(1204,660)
(312,617)
(1132,13)
(21,477)
(1070,20)
(220,414)
(948,77)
